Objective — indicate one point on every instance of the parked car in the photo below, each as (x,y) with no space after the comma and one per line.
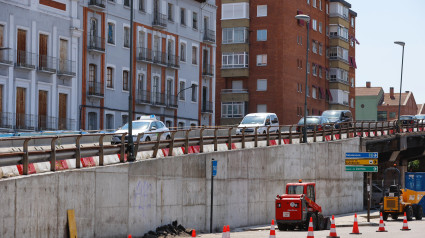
(420,118)
(148,125)
(337,117)
(407,119)
(321,123)
(260,120)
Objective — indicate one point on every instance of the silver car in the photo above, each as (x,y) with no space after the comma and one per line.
(149,126)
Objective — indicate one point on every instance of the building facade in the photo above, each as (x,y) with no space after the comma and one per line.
(261,54)
(388,110)
(173,62)
(38,64)
(367,101)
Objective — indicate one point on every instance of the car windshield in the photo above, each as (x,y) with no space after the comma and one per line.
(406,117)
(310,121)
(137,125)
(253,120)
(420,117)
(296,189)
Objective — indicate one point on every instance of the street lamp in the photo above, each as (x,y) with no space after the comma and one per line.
(401,81)
(305,18)
(130,97)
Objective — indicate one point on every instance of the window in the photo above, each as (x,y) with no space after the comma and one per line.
(232,109)
(337,74)
(237,84)
(314,92)
(314,46)
(314,24)
(141,83)
(261,84)
(261,35)
(320,5)
(308,1)
(261,60)
(127,3)
(195,20)
(126,37)
(235,11)
(92,77)
(261,107)
(308,92)
(124,119)
(320,48)
(183,16)
(314,3)
(182,95)
(170,12)
(320,96)
(110,121)
(235,60)
(181,125)
(352,82)
(339,10)
(142,6)
(92,121)
(352,102)
(320,27)
(194,93)
(235,35)
(109,79)
(352,22)
(337,31)
(338,53)
(382,115)
(314,69)
(183,52)
(261,10)
(111,33)
(194,55)
(327,8)
(299,40)
(392,115)
(320,71)
(308,68)
(125,80)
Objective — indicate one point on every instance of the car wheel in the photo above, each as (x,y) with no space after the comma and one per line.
(409,213)
(312,215)
(281,227)
(148,139)
(320,222)
(419,213)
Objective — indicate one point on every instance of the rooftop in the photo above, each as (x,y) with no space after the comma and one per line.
(365,91)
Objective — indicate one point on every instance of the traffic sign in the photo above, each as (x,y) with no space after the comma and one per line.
(359,155)
(361,162)
(214,168)
(361,168)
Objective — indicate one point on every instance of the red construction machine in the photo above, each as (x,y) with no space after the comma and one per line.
(294,209)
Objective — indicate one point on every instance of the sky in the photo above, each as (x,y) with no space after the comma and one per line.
(379,23)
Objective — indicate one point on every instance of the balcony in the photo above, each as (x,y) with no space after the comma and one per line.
(143,97)
(173,61)
(144,54)
(25,60)
(47,123)
(337,80)
(209,36)
(95,89)
(159,20)
(97,5)
(6,56)
(207,107)
(6,119)
(208,70)
(66,68)
(96,44)
(234,95)
(171,101)
(335,35)
(159,58)
(24,121)
(47,64)
(158,99)
(66,124)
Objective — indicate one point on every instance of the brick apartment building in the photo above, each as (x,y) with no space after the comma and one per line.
(261,58)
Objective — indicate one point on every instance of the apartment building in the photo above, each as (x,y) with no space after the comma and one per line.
(174,55)
(262,66)
(38,65)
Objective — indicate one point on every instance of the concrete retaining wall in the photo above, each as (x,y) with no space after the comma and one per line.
(134,198)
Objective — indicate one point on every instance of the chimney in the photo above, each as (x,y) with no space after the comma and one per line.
(368,84)
(407,91)
(392,93)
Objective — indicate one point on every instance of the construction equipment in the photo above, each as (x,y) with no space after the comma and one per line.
(396,201)
(294,209)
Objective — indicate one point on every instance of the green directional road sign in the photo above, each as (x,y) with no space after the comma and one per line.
(361,168)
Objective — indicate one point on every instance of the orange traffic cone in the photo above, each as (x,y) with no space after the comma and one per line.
(272,230)
(405,226)
(193,233)
(310,233)
(228,231)
(333,234)
(224,235)
(381,224)
(355,226)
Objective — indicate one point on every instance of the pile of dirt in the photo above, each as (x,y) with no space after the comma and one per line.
(171,230)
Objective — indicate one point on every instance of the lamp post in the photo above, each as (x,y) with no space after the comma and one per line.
(401,81)
(305,18)
(130,97)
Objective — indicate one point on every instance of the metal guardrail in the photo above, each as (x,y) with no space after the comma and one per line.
(205,136)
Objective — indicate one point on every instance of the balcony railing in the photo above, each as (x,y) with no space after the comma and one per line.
(159,57)
(339,81)
(66,67)
(158,99)
(24,121)
(336,57)
(207,107)
(335,14)
(96,43)
(172,101)
(66,124)
(97,4)
(159,20)
(6,120)
(335,35)
(46,123)
(6,56)
(47,63)
(25,59)
(96,89)
(143,97)
(208,70)
(173,61)
(144,54)
(234,91)
(209,36)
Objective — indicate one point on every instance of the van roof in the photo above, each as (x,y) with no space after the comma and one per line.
(261,114)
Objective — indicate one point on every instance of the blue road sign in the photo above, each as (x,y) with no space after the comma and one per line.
(214,168)
(364,155)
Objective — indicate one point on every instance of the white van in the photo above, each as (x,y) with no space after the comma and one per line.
(260,120)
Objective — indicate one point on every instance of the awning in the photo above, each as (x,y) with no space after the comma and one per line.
(330,95)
